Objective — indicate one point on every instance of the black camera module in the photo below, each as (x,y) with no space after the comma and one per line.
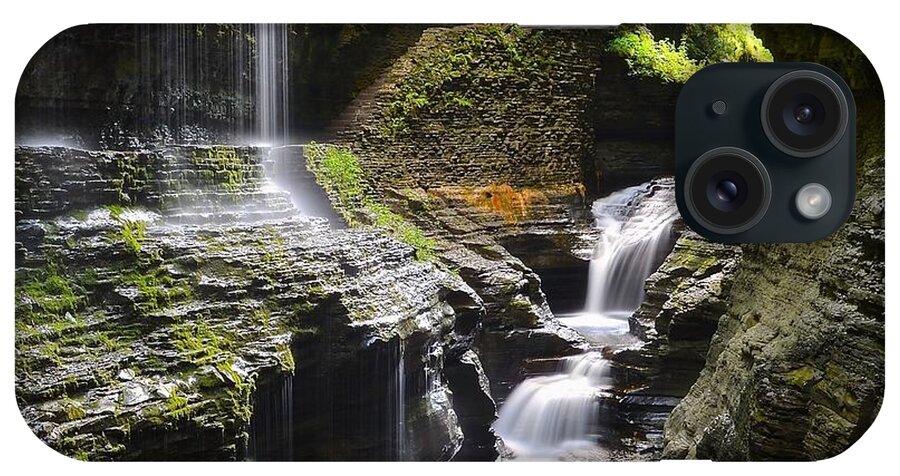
(727,190)
(804,113)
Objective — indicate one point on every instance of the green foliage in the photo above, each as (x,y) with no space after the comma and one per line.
(337,170)
(651,58)
(132,234)
(699,46)
(285,357)
(115,210)
(724,42)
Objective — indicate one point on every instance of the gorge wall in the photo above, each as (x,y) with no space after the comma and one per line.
(796,365)
(165,298)
(130,86)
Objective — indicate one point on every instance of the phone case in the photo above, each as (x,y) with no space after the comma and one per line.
(414,242)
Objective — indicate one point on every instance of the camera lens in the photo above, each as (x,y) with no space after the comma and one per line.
(804,113)
(727,190)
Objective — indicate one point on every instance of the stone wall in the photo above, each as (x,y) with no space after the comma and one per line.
(479,105)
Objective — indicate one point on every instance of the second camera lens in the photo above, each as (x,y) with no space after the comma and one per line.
(727,190)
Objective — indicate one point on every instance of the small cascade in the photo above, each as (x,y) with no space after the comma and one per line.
(272,81)
(549,415)
(399,446)
(636,228)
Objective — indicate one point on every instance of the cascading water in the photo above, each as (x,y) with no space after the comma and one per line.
(636,224)
(548,415)
(272,99)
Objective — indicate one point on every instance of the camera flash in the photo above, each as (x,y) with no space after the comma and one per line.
(813,201)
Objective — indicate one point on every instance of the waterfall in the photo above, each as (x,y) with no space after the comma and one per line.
(548,415)
(398,388)
(272,83)
(636,228)
(271,436)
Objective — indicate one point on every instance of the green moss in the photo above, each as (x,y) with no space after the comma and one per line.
(73,409)
(175,408)
(130,177)
(199,343)
(156,288)
(285,357)
(402,230)
(261,316)
(46,295)
(339,173)
(80,215)
(223,165)
(699,45)
(801,376)
(437,80)
(521,304)
(50,350)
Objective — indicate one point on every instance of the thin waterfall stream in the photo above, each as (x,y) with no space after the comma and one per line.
(548,415)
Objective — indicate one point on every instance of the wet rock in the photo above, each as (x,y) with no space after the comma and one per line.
(186,262)
(126,375)
(475,409)
(134,394)
(685,298)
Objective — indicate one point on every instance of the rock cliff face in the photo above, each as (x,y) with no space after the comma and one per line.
(126,86)
(511,107)
(166,298)
(796,367)
(685,298)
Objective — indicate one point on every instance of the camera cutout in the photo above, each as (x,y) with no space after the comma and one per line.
(728,190)
(804,113)
(780,166)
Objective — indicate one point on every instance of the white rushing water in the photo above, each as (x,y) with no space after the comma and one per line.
(636,224)
(547,416)
(272,99)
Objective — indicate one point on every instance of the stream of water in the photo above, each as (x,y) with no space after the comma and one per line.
(272,98)
(547,416)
